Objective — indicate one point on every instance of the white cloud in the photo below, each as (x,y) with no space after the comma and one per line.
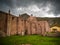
(35,10)
(19,9)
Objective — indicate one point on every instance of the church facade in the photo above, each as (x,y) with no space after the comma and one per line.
(22,25)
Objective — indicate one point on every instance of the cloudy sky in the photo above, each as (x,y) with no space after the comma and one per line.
(39,8)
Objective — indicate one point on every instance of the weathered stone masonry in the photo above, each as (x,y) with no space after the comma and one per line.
(22,25)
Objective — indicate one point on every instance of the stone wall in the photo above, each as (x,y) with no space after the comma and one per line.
(12,25)
(3,23)
(20,26)
(32,26)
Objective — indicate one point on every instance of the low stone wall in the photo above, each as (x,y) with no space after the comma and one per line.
(54,34)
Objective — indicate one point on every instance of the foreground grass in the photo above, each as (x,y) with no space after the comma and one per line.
(30,39)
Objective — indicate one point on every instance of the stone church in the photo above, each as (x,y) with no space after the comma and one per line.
(24,24)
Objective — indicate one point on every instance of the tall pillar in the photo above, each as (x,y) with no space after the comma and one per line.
(9,18)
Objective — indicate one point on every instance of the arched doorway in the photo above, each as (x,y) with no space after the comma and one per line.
(26,32)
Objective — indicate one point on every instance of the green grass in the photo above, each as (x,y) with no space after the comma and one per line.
(30,39)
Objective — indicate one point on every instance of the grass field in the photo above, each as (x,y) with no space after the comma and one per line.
(30,39)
